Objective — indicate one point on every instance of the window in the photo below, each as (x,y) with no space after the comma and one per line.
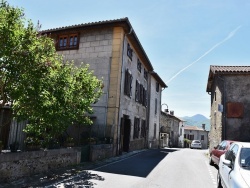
(66,42)
(157,87)
(143,128)
(128,83)
(136,127)
(155,130)
(140,94)
(145,74)
(155,106)
(191,137)
(231,153)
(138,65)
(137,91)
(202,137)
(129,52)
(145,98)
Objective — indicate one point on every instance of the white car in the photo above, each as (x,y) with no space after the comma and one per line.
(196,144)
(234,167)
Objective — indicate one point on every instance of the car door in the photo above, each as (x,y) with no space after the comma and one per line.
(231,180)
(226,170)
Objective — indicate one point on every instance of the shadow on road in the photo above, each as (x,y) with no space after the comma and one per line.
(139,165)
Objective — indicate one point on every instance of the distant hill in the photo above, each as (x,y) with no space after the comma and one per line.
(197,120)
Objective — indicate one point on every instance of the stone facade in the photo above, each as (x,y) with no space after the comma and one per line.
(111,48)
(170,125)
(16,165)
(230,103)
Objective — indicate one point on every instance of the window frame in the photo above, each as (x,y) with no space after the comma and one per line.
(129,52)
(68,38)
(128,83)
(139,65)
(136,134)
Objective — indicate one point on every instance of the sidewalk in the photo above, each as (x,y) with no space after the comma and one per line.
(58,175)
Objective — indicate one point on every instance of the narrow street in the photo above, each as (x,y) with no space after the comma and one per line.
(166,168)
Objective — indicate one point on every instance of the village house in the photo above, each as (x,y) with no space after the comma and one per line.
(128,112)
(169,129)
(230,103)
(196,133)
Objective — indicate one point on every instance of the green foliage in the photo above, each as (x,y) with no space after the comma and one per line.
(41,88)
(187,141)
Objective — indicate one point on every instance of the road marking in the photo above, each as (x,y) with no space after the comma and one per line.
(211,174)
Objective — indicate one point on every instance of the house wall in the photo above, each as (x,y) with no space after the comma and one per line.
(128,105)
(216,120)
(236,90)
(154,118)
(197,136)
(96,49)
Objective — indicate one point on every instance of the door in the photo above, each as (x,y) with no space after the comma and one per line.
(126,134)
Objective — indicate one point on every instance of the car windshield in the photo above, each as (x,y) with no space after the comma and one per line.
(245,158)
(196,141)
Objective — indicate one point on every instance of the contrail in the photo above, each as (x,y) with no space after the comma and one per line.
(230,35)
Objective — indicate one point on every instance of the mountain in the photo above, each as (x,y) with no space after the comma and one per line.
(197,120)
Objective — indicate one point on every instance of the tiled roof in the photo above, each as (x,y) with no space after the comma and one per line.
(230,69)
(225,70)
(193,128)
(87,24)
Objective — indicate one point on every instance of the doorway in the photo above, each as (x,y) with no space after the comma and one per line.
(125,133)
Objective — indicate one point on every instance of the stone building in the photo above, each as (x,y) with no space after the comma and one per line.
(230,103)
(128,111)
(169,129)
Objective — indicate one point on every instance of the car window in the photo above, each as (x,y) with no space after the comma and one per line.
(245,157)
(224,145)
(221,146)
(231,154)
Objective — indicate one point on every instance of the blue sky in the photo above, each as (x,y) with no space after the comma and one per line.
(181,38)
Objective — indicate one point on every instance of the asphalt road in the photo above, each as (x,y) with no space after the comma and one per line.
(161,168)
(164,168)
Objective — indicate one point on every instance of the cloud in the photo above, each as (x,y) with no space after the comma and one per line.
(230,35)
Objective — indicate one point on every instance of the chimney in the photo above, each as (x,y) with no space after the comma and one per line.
(172,113)
(203,126)
(166,110)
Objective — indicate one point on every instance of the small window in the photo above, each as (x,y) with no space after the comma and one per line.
(157,87)
(145,74)
(155,106)
(66,42)
(138,65)
(143,129)
(202,137)
(129,52)
(155,130)
(137,91)
(136,128)
(128,83)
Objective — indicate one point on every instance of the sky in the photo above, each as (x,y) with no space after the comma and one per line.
(181,38)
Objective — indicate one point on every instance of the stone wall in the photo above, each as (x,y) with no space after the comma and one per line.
(99,152)
(20,164)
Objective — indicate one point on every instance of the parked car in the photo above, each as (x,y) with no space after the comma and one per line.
(234,166)
(218,151)
(196,144)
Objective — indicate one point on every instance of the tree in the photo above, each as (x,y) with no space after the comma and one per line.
(34,80)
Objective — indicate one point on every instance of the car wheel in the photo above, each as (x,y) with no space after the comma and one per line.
(218,181)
